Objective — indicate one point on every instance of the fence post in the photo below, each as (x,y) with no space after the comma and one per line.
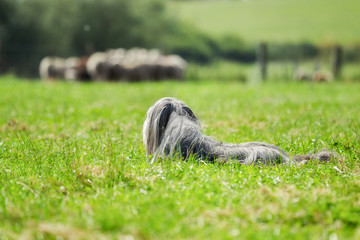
(262,59)
(337,61)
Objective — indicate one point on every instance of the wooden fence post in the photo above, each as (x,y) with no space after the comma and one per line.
(337,61)
(263,59)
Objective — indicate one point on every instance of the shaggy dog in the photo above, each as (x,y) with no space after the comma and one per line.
(172,129)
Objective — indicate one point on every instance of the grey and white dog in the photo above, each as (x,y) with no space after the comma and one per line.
(172,129)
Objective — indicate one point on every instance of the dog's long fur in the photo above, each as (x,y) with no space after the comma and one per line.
(172,129)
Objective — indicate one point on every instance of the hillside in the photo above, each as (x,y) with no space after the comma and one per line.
(318,21)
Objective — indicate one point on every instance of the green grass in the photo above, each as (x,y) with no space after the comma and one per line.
(281,71)
(72,163)
(319,21)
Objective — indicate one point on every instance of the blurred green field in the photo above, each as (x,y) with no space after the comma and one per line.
(278,71)
(318,21)
(72,163)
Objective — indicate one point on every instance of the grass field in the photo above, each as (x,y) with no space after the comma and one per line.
(72,163)
(277,71)
(319,21)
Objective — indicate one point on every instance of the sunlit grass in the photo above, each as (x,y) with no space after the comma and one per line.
(319,21)
(73,164)
(277,71)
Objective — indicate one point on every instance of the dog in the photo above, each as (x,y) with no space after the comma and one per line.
(171,129)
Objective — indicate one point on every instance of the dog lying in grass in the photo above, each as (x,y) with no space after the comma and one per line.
(171,129)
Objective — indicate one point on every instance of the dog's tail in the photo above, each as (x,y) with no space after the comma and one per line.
(321,156)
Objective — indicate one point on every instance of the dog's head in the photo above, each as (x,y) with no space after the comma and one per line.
(157,118)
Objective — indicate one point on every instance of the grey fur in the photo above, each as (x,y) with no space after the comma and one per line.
(171,129)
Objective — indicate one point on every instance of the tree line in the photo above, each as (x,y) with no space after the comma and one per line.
(33,29)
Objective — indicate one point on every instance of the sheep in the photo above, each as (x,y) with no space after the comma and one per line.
(136,64)
(70,70)
(98,66)
(322,76)
(171,67)
(52,68)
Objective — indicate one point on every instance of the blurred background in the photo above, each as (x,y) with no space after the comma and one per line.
(219,39)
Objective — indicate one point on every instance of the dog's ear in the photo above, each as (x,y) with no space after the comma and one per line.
(189,112)
(164,119)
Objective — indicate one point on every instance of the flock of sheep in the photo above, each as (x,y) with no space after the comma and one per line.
(135,64)
(317,75)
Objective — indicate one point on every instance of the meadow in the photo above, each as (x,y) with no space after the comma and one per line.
(277,71)
(73,166)
(317,21)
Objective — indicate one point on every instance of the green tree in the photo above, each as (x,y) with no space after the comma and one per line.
(124,23)
(6,10)
(64,27)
